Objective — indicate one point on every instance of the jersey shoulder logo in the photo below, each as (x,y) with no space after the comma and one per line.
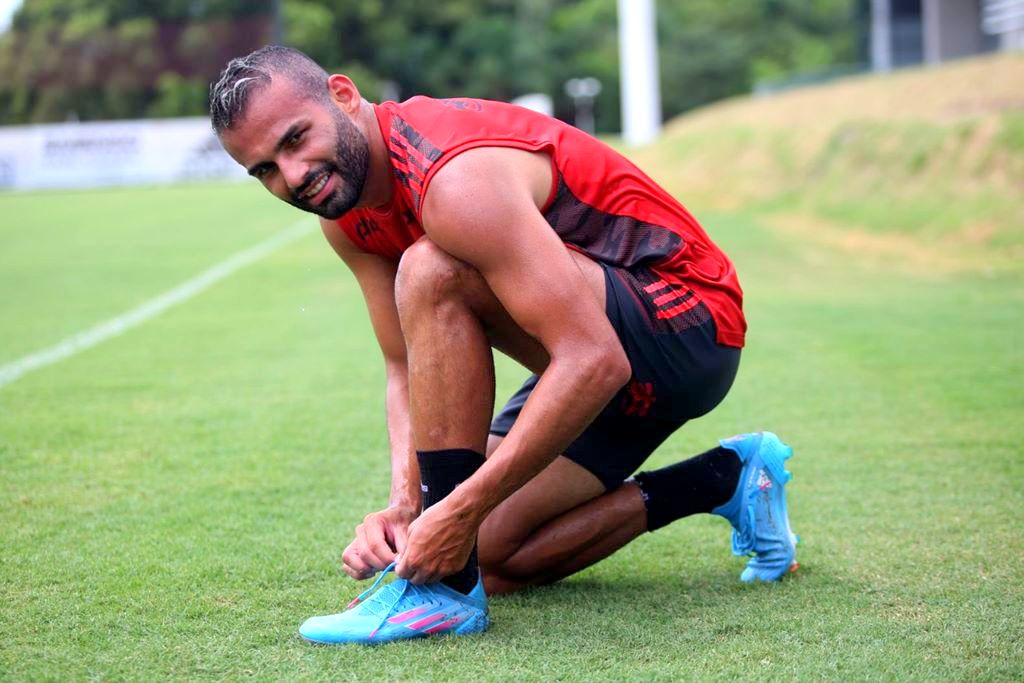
(463,105)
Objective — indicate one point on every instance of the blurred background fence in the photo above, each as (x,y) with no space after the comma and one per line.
(96,154)
(66,61)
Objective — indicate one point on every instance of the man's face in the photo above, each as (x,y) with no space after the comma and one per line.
(305,151)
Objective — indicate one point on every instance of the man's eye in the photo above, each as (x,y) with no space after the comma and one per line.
(295,139)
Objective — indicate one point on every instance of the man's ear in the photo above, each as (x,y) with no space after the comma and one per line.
(344,92)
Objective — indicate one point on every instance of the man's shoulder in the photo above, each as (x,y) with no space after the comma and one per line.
(454,116)
(424,104)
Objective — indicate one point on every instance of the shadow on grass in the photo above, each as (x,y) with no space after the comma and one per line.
(595,596)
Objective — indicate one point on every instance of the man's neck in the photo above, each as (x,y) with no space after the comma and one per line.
(379,186)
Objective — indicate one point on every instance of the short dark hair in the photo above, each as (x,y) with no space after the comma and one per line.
(229,94)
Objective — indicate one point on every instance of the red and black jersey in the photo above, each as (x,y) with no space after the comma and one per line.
(600,204)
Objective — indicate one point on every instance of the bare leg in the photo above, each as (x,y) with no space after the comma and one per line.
(450,319)
(562,520)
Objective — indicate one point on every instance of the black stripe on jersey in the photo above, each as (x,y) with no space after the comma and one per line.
(617,240)
(404,179)
(408,158)
(420,143)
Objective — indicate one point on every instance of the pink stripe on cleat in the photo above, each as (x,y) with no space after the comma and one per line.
(406,616)
(443,625)
(426,620)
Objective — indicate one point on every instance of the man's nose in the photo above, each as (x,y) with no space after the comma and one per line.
(294,173)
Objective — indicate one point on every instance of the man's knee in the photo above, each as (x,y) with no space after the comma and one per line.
(500,546)
(428,274)
(500,566)
(496,543)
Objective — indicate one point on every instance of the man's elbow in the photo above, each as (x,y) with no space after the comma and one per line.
(609,370)
(622,370)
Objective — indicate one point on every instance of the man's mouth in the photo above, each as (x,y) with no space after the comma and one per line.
(316,186)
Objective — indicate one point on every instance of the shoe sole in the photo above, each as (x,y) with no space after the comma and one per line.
(474,626)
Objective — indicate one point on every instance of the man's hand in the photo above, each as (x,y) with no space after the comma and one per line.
(380,537)
(439,544)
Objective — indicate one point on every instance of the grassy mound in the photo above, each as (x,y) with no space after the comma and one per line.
(924,164)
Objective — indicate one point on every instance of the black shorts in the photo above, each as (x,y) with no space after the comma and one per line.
(679,373)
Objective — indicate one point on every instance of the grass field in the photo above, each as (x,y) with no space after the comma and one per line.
(173,502)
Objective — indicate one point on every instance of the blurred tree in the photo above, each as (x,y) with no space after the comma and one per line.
(177,96)
(586,44)
(106,58)
(310,27)
(710,49)
(91,59)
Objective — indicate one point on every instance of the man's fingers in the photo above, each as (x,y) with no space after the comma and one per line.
(376,541)
(369,547)
(402,568)
(426,576)
(354,573)
(401,538)
(353,563)
(407,569)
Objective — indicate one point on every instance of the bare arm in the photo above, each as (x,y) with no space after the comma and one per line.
(482,208)
(376,278)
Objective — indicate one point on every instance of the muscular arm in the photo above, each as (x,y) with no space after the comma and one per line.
(482,208)
(376,278)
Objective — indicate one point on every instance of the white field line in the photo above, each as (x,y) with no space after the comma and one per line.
(150,309)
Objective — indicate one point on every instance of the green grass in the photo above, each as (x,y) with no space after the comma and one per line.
(174,501)
(90,255)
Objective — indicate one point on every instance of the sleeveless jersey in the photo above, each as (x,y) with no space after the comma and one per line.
(600,204)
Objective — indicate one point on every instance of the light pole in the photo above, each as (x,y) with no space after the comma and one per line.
(638,71)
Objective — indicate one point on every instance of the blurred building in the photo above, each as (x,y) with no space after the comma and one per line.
(907,32)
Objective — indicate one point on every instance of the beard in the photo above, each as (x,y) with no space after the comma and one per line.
(351,164)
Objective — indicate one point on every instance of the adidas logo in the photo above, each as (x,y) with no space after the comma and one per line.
(763,481)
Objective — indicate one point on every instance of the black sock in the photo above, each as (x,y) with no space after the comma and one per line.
(440,473)
(699,484)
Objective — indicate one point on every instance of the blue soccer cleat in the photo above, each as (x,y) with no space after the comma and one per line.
(401,610)
(757,511)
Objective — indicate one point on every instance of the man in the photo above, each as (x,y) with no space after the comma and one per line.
(473,225)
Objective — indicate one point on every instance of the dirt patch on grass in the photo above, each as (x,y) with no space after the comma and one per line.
(965,251)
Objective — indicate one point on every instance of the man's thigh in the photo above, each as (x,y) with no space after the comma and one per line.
(560,487)
(679,372)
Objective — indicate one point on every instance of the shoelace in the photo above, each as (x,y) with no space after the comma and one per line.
(387,612)
(362,596)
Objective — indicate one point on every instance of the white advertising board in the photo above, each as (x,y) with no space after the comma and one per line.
(72,155)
